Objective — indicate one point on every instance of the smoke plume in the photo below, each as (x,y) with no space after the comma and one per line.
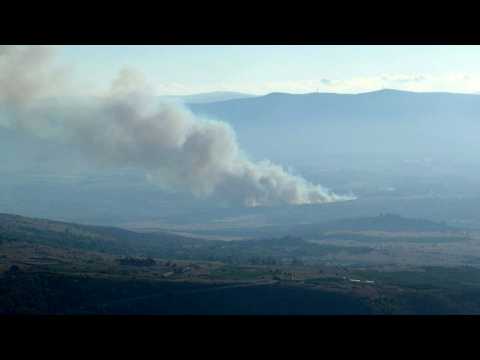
(128,128)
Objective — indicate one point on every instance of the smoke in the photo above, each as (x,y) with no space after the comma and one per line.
(177,149)
(26,73)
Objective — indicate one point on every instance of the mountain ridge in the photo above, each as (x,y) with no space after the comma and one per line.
(296,127)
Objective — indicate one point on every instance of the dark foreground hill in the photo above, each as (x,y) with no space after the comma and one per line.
(51,267)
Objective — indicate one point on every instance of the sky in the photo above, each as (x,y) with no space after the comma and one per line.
(260,69)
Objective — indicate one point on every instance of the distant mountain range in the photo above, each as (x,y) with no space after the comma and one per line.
(284,126)
(381,105)
(209,97)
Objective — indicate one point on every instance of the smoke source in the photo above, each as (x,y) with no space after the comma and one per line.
(177,149)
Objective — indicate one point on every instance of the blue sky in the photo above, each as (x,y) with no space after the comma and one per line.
(180,70)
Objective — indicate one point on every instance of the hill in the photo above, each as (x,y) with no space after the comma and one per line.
(381,105)
(15,228)
(63,236)
(307,128)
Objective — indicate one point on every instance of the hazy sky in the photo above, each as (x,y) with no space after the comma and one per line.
(259,69)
